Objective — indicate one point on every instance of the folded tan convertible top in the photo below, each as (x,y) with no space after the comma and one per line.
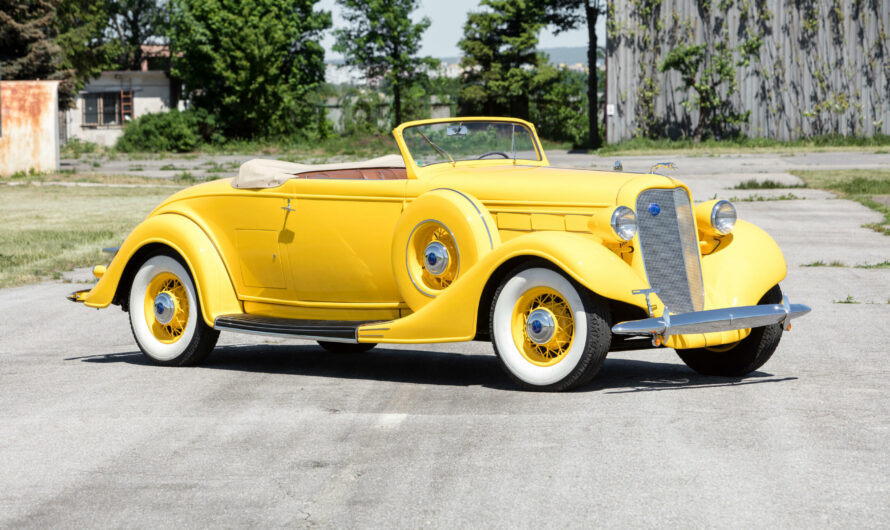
(265,173)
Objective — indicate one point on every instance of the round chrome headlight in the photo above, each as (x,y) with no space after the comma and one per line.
(624,223)
(723,217)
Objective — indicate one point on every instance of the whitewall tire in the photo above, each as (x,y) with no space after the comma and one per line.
(549,332)
(165,314)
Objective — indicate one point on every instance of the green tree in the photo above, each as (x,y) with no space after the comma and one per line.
(566,15)
(81,26)
(499,46)
(132,23)
(559,104)
(28,47)
(383,42)
(256,64)
(709,71)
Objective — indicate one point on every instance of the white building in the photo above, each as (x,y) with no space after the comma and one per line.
(107,103)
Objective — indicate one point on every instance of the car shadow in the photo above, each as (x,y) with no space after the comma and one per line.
(617,376)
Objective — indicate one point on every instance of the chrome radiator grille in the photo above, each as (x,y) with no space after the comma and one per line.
(669,246)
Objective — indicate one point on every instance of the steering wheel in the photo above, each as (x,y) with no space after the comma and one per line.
(483,155)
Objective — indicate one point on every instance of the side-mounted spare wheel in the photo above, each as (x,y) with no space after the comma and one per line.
(549,332)
(165,314)
(742,357)
(439,236)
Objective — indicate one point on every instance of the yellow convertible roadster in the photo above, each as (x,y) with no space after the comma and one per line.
(468,234)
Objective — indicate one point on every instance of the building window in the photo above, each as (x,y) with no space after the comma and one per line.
(107,108)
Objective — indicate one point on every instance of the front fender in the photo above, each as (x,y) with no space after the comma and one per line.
(451,317)
(741,270)
(212,282)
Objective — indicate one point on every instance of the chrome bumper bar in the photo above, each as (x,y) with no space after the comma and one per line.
(731,318)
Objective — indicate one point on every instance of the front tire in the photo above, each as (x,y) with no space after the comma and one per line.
(165,314)
(550,333)
(742,357)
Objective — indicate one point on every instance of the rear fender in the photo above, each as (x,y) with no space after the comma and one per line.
(452,316)
(183,236)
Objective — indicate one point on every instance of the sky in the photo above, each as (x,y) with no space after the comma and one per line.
(447,19)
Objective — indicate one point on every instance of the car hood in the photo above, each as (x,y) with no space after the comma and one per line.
(546,186)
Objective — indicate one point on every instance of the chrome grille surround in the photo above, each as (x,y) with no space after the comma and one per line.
(669,246)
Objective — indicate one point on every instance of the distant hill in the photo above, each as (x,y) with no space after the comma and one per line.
(565,54)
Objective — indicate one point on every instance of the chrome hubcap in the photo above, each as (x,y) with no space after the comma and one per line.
(165,308)
(435,258)
(540,326)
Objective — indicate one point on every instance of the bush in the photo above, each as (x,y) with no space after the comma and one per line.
(172,131)
(559,104)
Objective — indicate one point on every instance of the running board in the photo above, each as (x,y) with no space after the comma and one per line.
(324,330)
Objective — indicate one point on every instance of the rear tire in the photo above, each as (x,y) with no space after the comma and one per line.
(345,347)
(549,332)
(165,314)
(740,358)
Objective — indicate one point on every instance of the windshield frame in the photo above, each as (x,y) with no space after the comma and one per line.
(414,170)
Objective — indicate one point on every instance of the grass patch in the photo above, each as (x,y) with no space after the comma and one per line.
(860,185)
(51,229)
(768,184)
(848,300)
(745,144)
(171,167)
(761,198)
(76,148)
(69,177)
(185,178)
(882,265)
(821,263)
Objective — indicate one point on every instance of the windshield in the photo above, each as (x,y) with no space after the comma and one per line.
(436,143)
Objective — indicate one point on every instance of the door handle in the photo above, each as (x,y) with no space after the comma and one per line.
(288,208)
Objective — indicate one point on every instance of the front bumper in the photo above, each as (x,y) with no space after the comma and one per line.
(713,320)
(78,296)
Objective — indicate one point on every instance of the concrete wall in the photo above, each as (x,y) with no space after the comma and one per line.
(334,109)
(30,128)
(151,93)
(823,66)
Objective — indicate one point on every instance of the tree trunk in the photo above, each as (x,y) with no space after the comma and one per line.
(397,101)
(592,12)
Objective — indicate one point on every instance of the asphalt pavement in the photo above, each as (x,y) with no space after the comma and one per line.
(278,433)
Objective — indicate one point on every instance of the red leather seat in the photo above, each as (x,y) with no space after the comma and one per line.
(357,174)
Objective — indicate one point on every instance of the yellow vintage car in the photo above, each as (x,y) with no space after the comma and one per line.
(469,234)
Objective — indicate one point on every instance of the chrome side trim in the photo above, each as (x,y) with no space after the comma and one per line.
(223,327)
(482,217)
(728,319)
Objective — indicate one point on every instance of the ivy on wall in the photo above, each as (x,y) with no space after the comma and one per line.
(700,67)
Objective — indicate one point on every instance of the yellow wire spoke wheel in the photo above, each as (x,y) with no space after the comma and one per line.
(549,333)
(440,236)
(165,314)
(433,257)
(166,307)
(543,326)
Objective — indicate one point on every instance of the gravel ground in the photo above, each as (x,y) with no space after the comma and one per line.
(277,433)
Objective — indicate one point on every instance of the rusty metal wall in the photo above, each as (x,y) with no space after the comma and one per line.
(30,138)
(823,67)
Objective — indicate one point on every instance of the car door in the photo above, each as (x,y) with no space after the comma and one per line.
(342,227)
